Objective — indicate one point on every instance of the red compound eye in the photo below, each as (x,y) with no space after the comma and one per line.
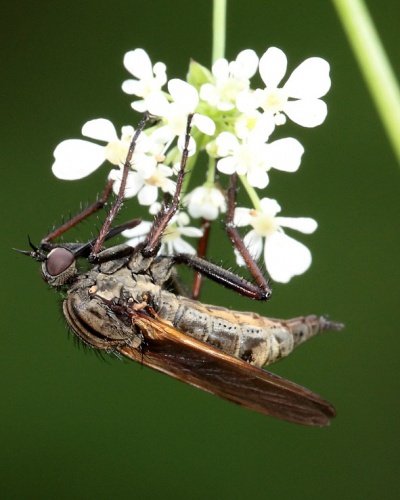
(58,261)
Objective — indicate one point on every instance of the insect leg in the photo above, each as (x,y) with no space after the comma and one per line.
(237,240)
(116,206)
(95,207)
(221,276)
(153,240)
(201,252)
(259,291)
(85,250)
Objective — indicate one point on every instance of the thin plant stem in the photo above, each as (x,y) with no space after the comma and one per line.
(252,193)
(211,171)
(219,29)
(374,65)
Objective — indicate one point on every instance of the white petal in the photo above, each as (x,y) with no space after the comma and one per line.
(206,210)
(310,80)
(209,212)
(246,64)
(307,112)
(142,229)
(303,224)
(208,93)
(205,202)
(145,165)
(137,234)
(246,101)
(148,195)
(132,87)
(270,206)
(191,232)
(138,63)
(285,154)
(76,159)
(226,142)
(184,94)
(242,217)
(220,69)
(139,106)
(273,66)
(181,246)
(225,106)
(204,123)
(100,129)
(191,145)
(134,182)
(159,70)
(263,128)
(258,178)
(253,242)
(226,165)
(157,104)
(155,208)
(128,131)
(182,218)
(285,257)
(162,135)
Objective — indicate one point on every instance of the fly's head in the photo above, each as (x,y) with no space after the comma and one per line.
(58,263)
(59,267)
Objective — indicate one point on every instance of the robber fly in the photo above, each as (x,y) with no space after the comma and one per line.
(124,305)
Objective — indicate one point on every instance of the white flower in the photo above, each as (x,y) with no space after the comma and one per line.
(308,82)
(254,157)
(172,241)
(284,257)
(76,158)
(137,234)
(145,185)
(149,80)
(253,119)
(230,79)
(175,114)
(206,202)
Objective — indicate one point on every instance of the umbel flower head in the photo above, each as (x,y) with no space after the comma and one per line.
(233,126)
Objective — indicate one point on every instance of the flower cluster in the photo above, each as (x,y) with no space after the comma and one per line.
(232,124)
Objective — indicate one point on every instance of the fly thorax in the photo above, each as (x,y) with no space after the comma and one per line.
(139,264)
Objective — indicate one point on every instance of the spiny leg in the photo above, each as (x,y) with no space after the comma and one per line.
(153,240)
(85,250)
(78,250)
(222,276)
(95,207)
(237,240)
(258,291)
(120,196)
(201,252)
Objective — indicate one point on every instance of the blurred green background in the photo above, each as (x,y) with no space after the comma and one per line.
(73,426)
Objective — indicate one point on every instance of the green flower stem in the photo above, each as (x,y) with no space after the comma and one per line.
(219,29)
(211,172)
(374,65)
(251,192)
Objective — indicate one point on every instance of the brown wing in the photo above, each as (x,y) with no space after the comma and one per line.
(169,351)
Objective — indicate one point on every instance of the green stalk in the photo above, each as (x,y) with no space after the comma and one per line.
(219,29)
(211,172)
(251,192)
(374,65)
